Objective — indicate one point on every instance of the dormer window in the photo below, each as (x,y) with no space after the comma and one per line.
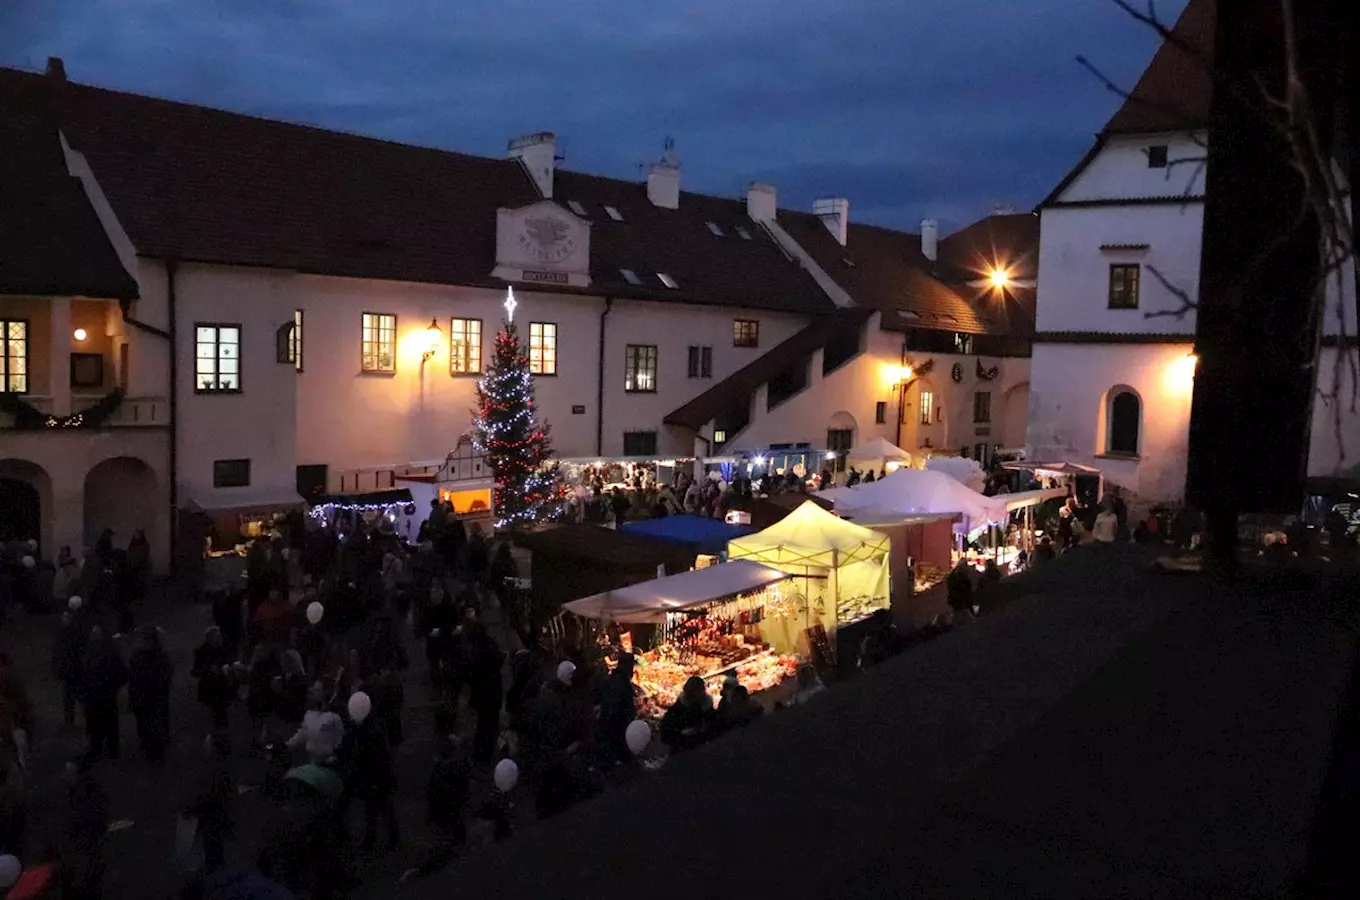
(577,208)
(613,213)
(1156,155)
(667,280)
(743,233)
(630,276)
(713,227)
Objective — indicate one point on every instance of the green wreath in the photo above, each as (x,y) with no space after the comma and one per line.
(28,417)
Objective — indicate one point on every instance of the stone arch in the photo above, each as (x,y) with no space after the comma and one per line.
(121,494)
(1014,415)
(1121,417)
(842,433)
(25,503)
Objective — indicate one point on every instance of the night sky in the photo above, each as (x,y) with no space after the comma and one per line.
(910,108)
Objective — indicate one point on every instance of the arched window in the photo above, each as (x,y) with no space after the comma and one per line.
(1125,417)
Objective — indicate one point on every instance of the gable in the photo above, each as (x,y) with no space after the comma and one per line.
(542,243)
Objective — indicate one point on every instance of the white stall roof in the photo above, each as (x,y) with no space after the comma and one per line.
(651,600)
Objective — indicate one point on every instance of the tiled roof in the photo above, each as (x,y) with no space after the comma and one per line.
(51,241)
(206,185)
(884,269)
(1008,241)
(1174,92)
(783,356)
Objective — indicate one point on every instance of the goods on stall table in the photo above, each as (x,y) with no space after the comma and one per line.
(928,575)
(661,673)
(850,609)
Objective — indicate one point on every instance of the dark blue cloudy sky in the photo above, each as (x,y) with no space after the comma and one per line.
(908,107)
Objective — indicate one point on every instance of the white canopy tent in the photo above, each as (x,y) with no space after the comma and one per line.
(914,492)
(877,454)
(648,603)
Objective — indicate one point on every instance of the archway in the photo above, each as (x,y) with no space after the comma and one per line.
(841,433)
(25,492)
(120,493)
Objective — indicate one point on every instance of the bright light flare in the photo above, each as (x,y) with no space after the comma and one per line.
(1000,278)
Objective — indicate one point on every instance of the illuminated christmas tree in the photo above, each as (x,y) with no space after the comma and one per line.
(514,443)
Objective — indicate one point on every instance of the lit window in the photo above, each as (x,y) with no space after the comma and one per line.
(217,358)
(982,407)
(630,276)
(1124,286)
(543,348)
(639,375)
(700,362)
(927,407)
(667,280)
(963,343)
(378,347)
(745,333)
(743,233)
(713,227)
(720,436)
(14,355)
(465,346)
(1125,413)
(288,349)
(613,213)
(577,208)
(880,412)
(1156,155)
(639,443)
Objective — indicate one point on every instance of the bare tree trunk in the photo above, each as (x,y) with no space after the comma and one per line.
(1257,332)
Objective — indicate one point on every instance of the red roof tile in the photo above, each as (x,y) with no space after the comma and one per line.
(1174,92)
(201,184)
(51,241)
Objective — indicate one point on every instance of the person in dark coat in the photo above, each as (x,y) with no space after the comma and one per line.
(618,707)
(150,672)
(67,653)
(212,804)
(478,555)
(526,680)
(82,846)
(374,782)
(485,660)
(212,668)
(441,621)
(446,799)
(102,676)
(736,708)
(959,588)
(691,719)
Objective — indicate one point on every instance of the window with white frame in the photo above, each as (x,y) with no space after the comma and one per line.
(217,358)
(14,356)
(465,346)
(700,361)
(543,348)
(378,344)
(639,375)
(927,407)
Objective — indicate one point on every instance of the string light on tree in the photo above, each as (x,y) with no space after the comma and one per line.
(505,430)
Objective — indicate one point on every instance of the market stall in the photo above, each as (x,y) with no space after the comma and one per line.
(622,471)
(923,544)
(706,536)
(878,455)
(913,492)
(842,569)
(707,623)
(394,509)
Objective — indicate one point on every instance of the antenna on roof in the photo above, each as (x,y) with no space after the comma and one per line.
(668,145)
(560,157)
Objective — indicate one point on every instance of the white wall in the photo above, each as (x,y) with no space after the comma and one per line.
(1335,444)
(1121,170)
(1068,391)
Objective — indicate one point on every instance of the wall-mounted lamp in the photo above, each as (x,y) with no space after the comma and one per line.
(433,338)
(80,334)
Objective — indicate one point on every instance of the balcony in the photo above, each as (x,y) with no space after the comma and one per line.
(129,412)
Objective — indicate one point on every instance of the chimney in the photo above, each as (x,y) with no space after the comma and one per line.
(56,69)
(930,238)
(835,215)
(761,201)
(663,180)
(537,153)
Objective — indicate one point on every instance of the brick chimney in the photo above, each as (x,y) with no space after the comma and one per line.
(761,201)
(835,215)
(930,239)
(537,153)
(56,69)
(663,180)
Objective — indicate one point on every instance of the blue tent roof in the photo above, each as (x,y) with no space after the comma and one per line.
(705,535)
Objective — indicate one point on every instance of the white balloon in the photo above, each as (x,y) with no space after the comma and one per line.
(284,553)
(32,545)
(359,707)
(29,562)
(638,736)
(74,603)
(315,611)
(506,776)
(10,870)
(565,670)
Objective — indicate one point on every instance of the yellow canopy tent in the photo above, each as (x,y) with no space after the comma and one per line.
(844,566)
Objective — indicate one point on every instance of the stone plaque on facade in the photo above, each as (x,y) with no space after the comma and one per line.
(542,243)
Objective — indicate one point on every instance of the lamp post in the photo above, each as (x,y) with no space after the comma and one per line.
(433,337)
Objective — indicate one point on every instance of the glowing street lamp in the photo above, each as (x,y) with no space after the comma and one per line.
(433,338)
(999,278)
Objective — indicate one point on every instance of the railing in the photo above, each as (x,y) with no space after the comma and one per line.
(131,412)
(138,412)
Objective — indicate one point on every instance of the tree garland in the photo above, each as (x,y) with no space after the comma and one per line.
(28,417)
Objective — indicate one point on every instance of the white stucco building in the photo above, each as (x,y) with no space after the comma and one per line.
(1113,366)
(301,311)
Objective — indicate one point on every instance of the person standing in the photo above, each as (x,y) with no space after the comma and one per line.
(150,672)
(67,652)
(374,780)
(959,588)
(618,707)
(212,668)
(87,820)
(485,660)
(101,678)
(212,805)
